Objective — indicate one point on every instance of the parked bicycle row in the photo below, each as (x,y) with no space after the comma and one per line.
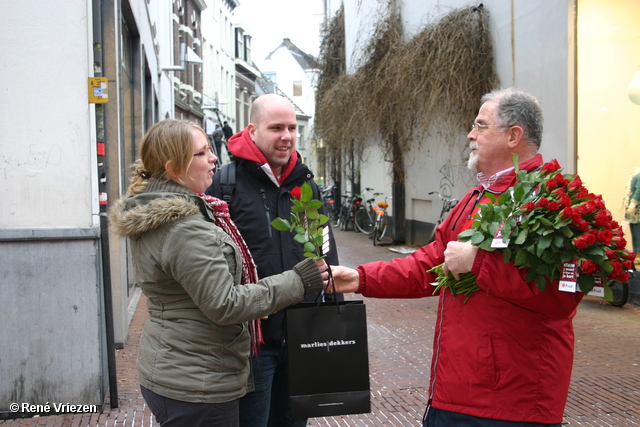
(359,212)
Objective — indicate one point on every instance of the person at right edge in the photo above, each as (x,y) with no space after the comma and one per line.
(503,358)
(632,212)
(267,168)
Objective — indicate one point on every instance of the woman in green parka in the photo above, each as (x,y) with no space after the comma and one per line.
(200,282)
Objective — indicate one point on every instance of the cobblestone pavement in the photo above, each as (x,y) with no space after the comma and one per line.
(605,385)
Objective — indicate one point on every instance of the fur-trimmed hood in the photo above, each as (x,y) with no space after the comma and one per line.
(161,203)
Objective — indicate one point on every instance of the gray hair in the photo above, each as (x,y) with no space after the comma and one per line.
(518,108)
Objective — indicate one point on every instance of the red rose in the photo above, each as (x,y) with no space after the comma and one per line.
(579,243)
(543,202)
(605,236)
(590,238)
(587,266)
(552,184)
(629,256)
(529,206)
(583,225)
(551,166)
(627,264)
(566,213)
(553,206)
(576,184)
(296,192)
(582,193)
(619,242)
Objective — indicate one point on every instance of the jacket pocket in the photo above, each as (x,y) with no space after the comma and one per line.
(488,355)
(234,349)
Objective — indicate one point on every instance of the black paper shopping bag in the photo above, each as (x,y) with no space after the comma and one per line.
(328,359)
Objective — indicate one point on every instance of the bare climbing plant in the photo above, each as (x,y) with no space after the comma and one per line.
(403,88)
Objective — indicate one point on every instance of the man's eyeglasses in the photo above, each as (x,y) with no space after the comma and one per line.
(480,127)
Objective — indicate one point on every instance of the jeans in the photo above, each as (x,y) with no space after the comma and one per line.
(268,405)
(176,413)
(442,418)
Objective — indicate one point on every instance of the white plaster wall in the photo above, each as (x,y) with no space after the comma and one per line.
(47,148)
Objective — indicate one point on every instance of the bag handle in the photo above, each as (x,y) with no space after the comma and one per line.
(332,285)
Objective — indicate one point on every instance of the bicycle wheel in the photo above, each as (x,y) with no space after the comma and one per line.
(383,226)
(380,229)
(364,221)
(620,293)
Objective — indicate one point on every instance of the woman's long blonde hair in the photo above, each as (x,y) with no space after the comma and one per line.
(169,140)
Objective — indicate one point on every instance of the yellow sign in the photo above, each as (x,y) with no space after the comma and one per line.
(98,90)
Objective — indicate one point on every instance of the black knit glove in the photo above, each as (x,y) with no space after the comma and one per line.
(310,274)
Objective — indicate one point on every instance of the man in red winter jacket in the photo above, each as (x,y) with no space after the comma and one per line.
(504,358)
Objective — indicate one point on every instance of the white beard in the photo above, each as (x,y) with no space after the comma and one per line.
(472,163)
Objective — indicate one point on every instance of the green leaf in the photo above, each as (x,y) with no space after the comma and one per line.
(608,293)
(506,230)
(531,275)
(506,255)
(466,234)
(315,204)
(281,224)
(297,209)
(323,220)
(493,228)
(312,255)
(313,214)
(567,232)
(306,193)
(558,240)
(544,242)
(522,236)
(477,238)
(586,284)
(486,245)
(541,283)
(545,221)
(309,247)
(300,238)
(566,256)
(491,197)
(521,258)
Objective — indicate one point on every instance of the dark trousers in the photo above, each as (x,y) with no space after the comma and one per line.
(441,418)
(176,413)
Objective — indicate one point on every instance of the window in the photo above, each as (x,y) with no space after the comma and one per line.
(297,88)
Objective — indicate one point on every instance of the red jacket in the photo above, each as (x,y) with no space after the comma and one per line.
(507,353)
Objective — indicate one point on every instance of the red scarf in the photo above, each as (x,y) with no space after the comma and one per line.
(249,272)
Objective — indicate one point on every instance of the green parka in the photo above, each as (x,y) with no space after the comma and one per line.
(195,345)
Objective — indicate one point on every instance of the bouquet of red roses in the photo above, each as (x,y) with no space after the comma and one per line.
(550,224)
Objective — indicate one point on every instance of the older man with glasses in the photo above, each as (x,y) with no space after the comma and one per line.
(504,357)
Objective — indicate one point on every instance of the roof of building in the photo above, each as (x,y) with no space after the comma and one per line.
(306,61)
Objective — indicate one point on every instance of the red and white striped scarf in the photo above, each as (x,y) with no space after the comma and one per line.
(249,272)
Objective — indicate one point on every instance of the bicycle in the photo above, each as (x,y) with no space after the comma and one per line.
(330,208)
(365,215)
(348,211)
(382,221)
(447,205)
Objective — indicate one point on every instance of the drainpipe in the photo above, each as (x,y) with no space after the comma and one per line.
(100,113)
